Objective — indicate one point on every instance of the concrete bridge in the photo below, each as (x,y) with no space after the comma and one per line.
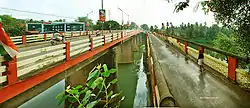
(174,75)
(39,61)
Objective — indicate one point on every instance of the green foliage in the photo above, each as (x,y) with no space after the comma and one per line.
(86,21)
(151,28)
(133,25)
(13,26)
(228,43)
(155,28)
(60,20)
(195,32)
(111,25)
(145,27)
(231,13)
(97,89)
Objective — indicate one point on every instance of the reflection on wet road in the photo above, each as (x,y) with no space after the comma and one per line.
(193,89)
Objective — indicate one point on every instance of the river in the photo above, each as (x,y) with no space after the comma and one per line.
(131,75)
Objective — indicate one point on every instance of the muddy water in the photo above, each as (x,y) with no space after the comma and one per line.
(131,72)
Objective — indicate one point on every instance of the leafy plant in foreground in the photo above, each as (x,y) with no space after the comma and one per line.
(97,90)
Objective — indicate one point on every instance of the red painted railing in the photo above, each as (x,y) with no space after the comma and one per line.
(16,86)
(231,65)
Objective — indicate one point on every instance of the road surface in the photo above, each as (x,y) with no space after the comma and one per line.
(193,89)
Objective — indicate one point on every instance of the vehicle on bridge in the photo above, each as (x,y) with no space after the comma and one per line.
(51,27)
(57,38)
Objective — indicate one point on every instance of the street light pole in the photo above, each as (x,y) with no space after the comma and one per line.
(122,16)
(89,13)
(128,19)
(102,4)
(88,18)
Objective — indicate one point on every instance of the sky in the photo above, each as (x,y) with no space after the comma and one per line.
(151,12)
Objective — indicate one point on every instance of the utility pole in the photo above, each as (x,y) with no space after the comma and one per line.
(122,16)
(87,28)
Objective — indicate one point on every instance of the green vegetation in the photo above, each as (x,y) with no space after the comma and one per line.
(196,32)
(87,21)
(97,91)
(133,25)
(13,26)
(108,25)
(145,27)
(16,27)
(233,14)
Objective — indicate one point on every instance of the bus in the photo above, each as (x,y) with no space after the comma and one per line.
(35,28)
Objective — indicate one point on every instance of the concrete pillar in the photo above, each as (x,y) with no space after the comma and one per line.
(11,69)
(104,40)
(45,36)
(24,39)
(91,43)
(186,47)
(112,37)
(67,48)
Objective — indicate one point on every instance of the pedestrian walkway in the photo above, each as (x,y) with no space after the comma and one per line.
(190,87)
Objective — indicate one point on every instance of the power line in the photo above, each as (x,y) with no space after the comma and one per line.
(36,13)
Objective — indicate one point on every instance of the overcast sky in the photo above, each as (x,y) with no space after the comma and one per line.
(152,12)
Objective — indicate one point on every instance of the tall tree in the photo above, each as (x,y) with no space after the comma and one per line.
(13,26)
(151,28)
(145,27)
(231,13)
(162,26)
(87,21)
(133,25)
(111,25)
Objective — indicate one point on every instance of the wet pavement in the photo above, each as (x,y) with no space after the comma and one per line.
(193,89)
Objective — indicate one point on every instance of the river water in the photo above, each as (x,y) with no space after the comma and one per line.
(140,99)
(131,75)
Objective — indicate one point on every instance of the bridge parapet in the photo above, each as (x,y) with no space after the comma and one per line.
(3,76)
(229,68)
(45,37)
(34,66)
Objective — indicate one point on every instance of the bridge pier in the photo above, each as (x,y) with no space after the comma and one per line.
(73,76)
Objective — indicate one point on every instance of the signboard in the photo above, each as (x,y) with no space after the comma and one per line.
(102,15)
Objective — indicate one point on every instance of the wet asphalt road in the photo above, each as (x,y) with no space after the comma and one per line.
(193,89)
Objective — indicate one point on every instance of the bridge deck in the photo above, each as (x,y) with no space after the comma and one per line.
(193,89)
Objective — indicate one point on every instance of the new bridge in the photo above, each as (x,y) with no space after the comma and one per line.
(174,76)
